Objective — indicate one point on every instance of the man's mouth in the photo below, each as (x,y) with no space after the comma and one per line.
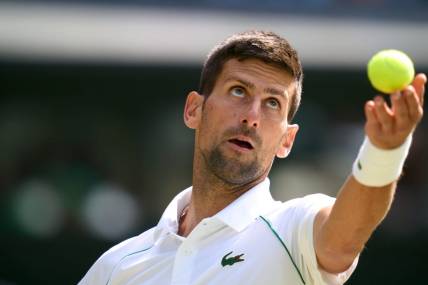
(241,143)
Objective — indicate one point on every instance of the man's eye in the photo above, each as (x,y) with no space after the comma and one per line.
(273,103)
(237,91)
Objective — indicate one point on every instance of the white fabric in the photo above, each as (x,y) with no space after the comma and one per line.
(378,167)
(253,225)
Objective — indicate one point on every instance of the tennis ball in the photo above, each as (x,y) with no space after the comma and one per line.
(390,70)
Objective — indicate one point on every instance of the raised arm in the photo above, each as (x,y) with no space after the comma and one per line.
(341,231)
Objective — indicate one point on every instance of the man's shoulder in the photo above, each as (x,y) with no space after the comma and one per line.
(294,209)
(316,199)
(101,270)
(136,243)
(291,220)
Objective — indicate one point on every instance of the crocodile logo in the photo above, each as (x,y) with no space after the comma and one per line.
(231,260)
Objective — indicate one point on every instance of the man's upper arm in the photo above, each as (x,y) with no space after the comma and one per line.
(327,258)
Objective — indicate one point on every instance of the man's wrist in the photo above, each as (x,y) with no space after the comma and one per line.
(378,167)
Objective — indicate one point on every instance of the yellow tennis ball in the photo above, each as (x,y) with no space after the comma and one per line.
(390,70)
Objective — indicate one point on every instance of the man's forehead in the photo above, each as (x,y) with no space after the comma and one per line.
(256,61)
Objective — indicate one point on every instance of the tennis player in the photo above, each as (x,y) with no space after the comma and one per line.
(226,228)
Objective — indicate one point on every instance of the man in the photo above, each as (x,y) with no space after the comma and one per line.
(227,227)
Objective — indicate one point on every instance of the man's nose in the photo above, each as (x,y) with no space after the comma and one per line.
(251,114)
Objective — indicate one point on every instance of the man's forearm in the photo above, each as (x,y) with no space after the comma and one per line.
(347,226)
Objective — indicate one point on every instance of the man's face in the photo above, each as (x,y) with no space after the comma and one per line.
(243,123)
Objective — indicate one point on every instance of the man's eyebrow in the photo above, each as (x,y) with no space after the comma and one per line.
(277,92)
(250,85)
(246,83)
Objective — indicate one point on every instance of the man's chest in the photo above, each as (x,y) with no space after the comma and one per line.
(222,256)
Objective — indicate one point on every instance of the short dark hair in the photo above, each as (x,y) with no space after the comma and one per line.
(266,46)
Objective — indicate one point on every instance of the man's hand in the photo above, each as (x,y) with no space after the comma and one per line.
(388,127)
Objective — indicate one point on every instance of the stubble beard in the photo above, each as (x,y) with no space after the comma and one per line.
(232,171)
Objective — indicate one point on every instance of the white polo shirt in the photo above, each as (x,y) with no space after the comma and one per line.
(254,240)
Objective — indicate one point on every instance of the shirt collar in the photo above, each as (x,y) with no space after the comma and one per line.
(237,215)
(250,205)
(170,217)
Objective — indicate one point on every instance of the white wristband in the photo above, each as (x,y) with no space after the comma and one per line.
(379,167)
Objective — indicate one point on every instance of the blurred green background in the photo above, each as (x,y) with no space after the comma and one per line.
(93,145)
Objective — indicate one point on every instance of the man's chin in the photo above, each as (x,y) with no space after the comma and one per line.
(233,169)
(237,181)
(238,174)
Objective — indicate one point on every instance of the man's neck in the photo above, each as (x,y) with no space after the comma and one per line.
(210,195)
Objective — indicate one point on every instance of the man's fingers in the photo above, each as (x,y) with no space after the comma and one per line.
(401,111)
(383,114)
(372,121)
(370,112)
(419,85)
(413,103)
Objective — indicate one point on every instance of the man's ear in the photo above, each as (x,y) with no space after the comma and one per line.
(287,141)
(193,109)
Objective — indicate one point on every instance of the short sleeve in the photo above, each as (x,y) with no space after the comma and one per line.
(306,211)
